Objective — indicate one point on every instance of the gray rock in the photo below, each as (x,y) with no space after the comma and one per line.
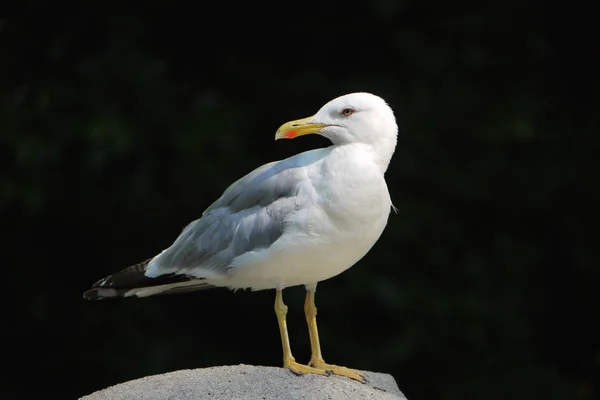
(250,383)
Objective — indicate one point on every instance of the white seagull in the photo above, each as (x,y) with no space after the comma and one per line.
(292,222)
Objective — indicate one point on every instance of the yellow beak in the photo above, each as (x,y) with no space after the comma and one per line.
(300,127)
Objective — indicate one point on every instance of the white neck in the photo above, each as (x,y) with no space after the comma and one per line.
(384,149)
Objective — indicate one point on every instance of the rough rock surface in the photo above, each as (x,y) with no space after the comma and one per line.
(250,383)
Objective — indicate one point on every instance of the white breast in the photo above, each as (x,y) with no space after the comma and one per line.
(350,205)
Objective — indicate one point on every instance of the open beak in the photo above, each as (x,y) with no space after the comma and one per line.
(300,127)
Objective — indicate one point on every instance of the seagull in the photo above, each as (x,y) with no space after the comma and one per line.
(298,221)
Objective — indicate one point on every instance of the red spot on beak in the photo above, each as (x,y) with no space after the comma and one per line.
(290,134)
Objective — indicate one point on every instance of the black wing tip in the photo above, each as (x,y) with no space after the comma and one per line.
(92,294)
(128,281)
(117,284)
(103,293)
(132,280)
(127,277)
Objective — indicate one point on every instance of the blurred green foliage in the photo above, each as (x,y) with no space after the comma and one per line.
(116,131)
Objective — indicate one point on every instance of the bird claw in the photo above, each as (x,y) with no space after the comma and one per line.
(301,369)
(341,371)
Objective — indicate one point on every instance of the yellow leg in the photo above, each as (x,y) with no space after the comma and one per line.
(289,361)
(316,359)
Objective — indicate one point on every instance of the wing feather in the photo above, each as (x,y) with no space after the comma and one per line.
(249,216)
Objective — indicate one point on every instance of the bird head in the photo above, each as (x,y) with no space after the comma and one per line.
(352,118)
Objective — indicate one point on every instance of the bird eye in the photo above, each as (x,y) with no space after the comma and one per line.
(346,112)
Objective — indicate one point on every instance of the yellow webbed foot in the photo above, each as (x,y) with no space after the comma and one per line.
(337,370)
(301,369)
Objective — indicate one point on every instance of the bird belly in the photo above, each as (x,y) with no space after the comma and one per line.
(345,212)
(300,260)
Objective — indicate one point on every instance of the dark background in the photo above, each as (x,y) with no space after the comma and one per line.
(119,125)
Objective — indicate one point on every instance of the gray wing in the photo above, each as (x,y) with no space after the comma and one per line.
(248,216)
